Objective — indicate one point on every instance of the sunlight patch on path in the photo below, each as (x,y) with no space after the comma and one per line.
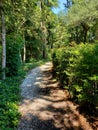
(45,106)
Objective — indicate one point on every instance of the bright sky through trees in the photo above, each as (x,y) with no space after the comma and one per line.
(61,6)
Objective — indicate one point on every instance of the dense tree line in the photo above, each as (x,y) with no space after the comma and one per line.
(33,29)
(26,28)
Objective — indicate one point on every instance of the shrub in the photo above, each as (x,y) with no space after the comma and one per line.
(76,67)
(0,61)
(14,44)
(9,97)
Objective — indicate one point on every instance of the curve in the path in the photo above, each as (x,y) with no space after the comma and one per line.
(45,107)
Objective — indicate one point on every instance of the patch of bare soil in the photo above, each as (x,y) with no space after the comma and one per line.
(46,107)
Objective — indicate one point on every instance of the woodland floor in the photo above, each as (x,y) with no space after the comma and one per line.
(45,106)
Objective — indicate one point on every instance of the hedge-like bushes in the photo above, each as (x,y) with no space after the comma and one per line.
(9,98)
(76,67)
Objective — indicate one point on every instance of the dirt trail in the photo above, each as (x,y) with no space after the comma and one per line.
(45,106)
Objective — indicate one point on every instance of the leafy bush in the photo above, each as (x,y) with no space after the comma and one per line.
(76,67)
(14,44)
(9,97)
(0,60)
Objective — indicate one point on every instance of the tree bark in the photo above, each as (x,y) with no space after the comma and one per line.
(24,53)
(3,36)
(43,30)
(85,29)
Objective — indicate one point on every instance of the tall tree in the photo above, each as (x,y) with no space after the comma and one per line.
(43,28)
(83,14)
(46,6)
(3,40)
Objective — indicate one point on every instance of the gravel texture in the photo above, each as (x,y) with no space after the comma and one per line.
(44,105)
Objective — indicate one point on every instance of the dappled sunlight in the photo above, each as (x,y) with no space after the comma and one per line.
(38,78)
(47,107)
(37,83)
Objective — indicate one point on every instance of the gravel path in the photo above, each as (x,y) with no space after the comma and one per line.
(44,105)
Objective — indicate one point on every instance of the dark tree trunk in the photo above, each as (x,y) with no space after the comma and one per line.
(3,36)
(44,31)
(85,30)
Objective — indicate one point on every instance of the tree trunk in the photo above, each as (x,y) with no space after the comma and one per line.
(24,53)
(43,30)
(85,29)
(3,36)
(44,46)
(44,50)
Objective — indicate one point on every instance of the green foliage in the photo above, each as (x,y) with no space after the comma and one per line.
(82,11)
(14,45)
(82,21)
(33,48)
(76,69)
(9,97)
(0,61)
(32,64)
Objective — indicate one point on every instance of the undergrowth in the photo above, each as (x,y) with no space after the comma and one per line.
(10,96)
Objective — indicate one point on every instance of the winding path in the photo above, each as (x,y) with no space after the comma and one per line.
(44,105)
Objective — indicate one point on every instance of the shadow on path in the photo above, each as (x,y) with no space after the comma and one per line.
(45,105)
